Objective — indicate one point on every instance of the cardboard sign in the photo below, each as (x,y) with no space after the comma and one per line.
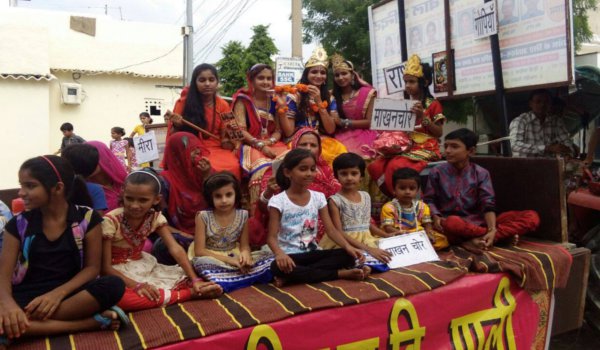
(409,249)
(393,115)
(484,20)
(146,147)
(288,70)
(394,81)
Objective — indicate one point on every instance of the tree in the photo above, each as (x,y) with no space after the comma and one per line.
(581,27)
(261,47)
(237,59)
(342,27)
(231,73)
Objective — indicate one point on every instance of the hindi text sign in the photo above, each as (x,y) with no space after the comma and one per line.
(394,82)
(393,115)
(146,147)
(409,249)
(484,20)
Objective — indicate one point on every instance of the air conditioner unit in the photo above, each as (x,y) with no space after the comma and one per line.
(71,93)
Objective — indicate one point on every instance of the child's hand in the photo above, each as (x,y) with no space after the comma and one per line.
(245,262)
(285,263)
(487,240)
(272,186)
(417,109)
(42,307)
(13,320)
(380,254)
(437,223)
(355,253)
(148,291)
(207,289)
(203,165)
(430,235)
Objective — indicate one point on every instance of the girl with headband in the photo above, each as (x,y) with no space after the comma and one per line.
(149,284)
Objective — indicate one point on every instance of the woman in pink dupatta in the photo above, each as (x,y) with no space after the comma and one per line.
(352,106)
(110,174)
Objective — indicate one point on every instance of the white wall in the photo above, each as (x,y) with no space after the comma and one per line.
(109,100)
(24,127)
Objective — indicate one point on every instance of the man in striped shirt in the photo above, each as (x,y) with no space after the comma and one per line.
(538,133)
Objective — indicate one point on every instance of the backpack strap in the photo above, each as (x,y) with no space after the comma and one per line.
(23,259)
(79,229)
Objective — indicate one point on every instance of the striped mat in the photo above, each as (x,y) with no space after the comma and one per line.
(266,303)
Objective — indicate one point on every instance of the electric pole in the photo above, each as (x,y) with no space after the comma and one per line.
(188,43)
(297,28)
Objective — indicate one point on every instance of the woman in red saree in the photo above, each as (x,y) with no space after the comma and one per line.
(254,111)
(324,182)
(186,166)
(200,105)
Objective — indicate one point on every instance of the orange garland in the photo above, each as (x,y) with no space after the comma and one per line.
(292,89)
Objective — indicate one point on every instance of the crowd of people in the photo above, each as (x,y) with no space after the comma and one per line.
(284,203)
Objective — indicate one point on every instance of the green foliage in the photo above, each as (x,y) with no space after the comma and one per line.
(458,110)
(237,59)
(581,27)
(261,47)
(230,67)
(342,27)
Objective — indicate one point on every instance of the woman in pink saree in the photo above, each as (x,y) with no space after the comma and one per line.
(110,174)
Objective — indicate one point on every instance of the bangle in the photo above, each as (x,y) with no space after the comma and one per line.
(197,279)
(346,123)
(259,145)
(273,140)
(426,122)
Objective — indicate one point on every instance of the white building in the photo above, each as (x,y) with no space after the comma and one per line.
(121,68)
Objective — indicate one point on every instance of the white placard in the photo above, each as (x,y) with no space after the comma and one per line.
(393,115)
(409,249)
(146,147)
(394,82)
(484,20)
(288,70)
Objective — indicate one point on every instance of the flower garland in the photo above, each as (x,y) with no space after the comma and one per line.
(283,90)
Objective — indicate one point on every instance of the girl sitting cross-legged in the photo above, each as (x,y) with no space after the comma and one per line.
(221,249)
(51,257)
(149,284)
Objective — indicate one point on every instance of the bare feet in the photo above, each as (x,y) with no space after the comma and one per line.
(279,282)
(352,274)
(514,240)
(366,271)
(209,291)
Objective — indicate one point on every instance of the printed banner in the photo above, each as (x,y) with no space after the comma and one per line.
(409,249)
(393,115)
(288,70)
(499,315)
(146,148)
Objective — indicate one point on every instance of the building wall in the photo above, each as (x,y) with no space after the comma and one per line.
(107,101)
(24,128)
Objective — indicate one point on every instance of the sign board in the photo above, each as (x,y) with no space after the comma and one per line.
(484,20)
(288,70)
(146,147)
(394,81)
(160,131)
(393,115)
(408,249)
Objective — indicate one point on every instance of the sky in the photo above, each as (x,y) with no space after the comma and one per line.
(210,19)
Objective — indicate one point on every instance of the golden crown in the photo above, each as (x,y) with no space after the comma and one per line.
(318,58)
(413,67)
(339,63)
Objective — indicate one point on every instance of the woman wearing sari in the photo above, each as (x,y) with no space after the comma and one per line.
(324,182)
(425,146)
(352,108)
(110,174)
(254,111)
(186,166)
(311,108)
(200,105)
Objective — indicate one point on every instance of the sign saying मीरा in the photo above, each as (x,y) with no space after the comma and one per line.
(393,115)
(409,249)
(146,148)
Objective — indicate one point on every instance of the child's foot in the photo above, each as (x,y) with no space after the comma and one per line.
(366,271)
(279,282)
(209,291)
(351,274)
(108,320)
(514,240)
